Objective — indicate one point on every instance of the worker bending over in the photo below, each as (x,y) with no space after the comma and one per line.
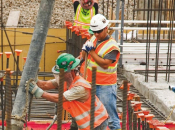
(84,11)
(76,97)
(104,53)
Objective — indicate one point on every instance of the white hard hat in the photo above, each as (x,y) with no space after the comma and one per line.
(98,22)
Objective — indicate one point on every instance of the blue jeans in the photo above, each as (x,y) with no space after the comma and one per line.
(108,96)
(102,126)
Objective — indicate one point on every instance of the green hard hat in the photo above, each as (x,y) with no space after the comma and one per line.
(90,31)
(65,61)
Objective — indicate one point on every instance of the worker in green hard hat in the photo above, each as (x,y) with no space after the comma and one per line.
(76,95)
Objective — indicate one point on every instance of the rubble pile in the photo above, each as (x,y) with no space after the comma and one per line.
(63,10)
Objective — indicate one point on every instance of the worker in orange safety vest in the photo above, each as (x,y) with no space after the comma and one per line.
(104,53)
(77,97)
(84,11)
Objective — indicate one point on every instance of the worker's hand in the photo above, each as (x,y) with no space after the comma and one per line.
(84,47)
(89,46)
(35,90)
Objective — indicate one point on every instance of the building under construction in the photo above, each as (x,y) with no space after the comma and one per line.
(30,43)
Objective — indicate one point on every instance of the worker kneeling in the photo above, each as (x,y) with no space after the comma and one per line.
(76,96)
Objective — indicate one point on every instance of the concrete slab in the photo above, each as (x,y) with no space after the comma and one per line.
(157,92)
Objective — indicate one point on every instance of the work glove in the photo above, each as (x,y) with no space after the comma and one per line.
(172,88)
(84,47)
(34,89)
(88,46)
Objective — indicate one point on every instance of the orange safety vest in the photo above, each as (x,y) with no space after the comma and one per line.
(81,110)
(82,20)
(103,76)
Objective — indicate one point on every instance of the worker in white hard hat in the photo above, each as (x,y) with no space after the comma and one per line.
(104,53)
(84,10)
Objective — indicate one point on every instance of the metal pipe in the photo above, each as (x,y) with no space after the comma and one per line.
(32,62)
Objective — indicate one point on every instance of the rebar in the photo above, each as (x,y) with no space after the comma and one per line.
(8,99)
(134,121)
(130,115)
(93,92)
(124,107)
(60,99)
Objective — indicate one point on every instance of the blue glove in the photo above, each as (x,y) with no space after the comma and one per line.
(35,90)
(84,47)
(172,88)
(89,46)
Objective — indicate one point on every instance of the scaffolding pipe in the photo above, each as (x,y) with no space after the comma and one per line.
(32,62)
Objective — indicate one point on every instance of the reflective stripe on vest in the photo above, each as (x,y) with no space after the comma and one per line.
(102,49)
(81,111)
(85,125)
(81,20)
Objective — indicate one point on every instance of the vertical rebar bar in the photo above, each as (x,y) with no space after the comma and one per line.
(2,103)
(93,92)
(138,123)
(148,43)
(158,39)
(2,39)
(130,115)
(117,18)
(60,99)
(17,71)
(8,99)
(103,6)
(170,37)
(134,121)
(143,125)
(122,28)
(124,105)
(67,38)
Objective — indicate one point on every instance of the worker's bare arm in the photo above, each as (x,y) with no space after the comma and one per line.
(96,1)
(104,63)
(74,0)
(52,97)
(83,54)
(45,85)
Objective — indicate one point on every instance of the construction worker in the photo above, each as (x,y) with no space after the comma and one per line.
(104,53)
(84,10)
(77,99)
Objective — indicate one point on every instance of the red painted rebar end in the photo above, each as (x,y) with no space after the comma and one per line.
(18,52)
(25,58)
(0,54)
(146,112)
(8,54)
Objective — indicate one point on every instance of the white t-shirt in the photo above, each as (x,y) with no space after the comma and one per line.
(78,93)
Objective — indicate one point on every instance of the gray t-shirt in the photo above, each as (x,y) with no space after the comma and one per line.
(111,55)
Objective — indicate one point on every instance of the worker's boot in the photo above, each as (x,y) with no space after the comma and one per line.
(73,128)
(73,125)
